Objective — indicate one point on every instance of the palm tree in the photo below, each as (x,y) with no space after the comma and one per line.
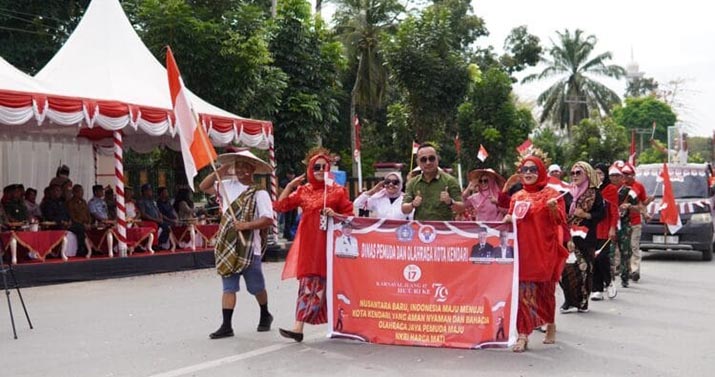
(360,25)
(575,94)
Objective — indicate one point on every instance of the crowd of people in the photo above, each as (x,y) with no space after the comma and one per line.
(579,234)
(65,207)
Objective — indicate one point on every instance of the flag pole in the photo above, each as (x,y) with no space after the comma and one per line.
(221,187)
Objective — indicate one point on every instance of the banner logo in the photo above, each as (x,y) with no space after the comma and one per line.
(427,234)
(412,273)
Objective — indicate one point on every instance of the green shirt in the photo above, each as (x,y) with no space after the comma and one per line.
(432,208)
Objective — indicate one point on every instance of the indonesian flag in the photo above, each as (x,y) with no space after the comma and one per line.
(415,147)
(196,149)
(457,145)
(525,147)
(579,231)
(482,154)
(558,184)
(356,124)
(329,178)
(632,156)
(669,214)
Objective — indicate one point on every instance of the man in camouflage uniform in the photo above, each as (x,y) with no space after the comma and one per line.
(626,199)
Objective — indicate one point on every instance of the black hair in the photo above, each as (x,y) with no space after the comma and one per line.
(604,169)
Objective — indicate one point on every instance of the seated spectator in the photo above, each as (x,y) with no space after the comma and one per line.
(97,205)
(165,207)
(183,205)
(14,204)
(55,209)
(129,204)
(111,202)
(33,209)
(81,218)
(150,214)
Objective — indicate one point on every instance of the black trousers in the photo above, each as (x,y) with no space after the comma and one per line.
(602,268)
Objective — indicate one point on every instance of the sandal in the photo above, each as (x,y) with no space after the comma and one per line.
(521,344)
(550,337)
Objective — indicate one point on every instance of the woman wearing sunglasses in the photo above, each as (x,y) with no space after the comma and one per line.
(481,196)
(585,210)
(306,259)
(541,253)
(384,200)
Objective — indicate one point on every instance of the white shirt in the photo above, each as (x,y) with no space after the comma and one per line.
(346,246)
(264,206)
(381,207)
(131,210)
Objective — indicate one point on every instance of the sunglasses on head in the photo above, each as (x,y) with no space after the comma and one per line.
(424,159)
(576,173)
(393,182)
(319,167)
(529,169)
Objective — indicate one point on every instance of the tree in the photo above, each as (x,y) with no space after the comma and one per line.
(360,24)
(522,50)
(641,112)
(33,31)
(302,49)
(550,142)
(491,118)
(575,94)
(597,140)
(641,86)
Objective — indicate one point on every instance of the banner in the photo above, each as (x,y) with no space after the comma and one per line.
(437,284)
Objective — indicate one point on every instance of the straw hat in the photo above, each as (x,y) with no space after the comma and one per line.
(246,156)
(476,173)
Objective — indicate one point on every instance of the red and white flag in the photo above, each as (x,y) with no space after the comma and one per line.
(329,178)
(482,154)
(525,147)
(415,147)
(632,155)
(356,124)
(457,145)
(669,214)
(579,231)
(196,149)
(558,185)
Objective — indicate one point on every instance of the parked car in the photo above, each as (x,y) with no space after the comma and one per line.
(695,196)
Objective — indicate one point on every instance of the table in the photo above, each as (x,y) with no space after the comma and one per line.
(135,236)
(39,243)
(188,233)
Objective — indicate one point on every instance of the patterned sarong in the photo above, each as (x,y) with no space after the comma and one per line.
(231,254)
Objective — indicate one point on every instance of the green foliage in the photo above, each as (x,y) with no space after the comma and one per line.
(641,112)
(574,95)
(548,141)
(309,104)
(522,50)
(597,140)
(33,31)
(641,86)
(490,117)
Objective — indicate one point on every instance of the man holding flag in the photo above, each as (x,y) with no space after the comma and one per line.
(247,210)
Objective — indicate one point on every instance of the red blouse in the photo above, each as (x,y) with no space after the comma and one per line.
(610,195)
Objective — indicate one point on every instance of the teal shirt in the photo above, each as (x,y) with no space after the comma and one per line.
(432,208)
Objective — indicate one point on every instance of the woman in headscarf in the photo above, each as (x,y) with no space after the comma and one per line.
(384,200)
(482,194)
(306,259)
(605,236)
(540,214)
(586,209)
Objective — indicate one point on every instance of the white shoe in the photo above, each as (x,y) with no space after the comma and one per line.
(597,296)
(611,291)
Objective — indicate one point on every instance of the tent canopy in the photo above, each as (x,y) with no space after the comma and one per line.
(105,79)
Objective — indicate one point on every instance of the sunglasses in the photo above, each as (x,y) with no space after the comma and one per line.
(393,182)
(529,169)
(319,167)
(576,173)
(424,159)
(485,180)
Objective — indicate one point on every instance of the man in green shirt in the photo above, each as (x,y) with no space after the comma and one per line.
(434,194)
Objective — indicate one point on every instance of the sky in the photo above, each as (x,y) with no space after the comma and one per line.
(670,41)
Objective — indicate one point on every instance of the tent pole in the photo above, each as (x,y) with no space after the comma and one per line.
(119,197)
(274,183)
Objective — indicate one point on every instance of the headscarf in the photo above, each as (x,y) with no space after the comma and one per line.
(311,173)
(492,189)
(542,178)
(384,192)
(604,169)
(591,180)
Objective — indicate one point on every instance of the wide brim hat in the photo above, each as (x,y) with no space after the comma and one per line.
(477,173)
(246,156)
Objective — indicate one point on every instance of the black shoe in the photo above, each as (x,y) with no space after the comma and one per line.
(636,276)
(265,323)
(624,283)
(222,332)
(297,336)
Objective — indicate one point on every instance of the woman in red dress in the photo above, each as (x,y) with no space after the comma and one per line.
(306,259)
(541,253)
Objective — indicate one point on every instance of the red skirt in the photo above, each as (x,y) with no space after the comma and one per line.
(537,305)
(311,306)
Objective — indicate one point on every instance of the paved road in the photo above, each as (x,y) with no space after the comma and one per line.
(158,326)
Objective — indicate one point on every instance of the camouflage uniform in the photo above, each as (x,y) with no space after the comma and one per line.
(622,264)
